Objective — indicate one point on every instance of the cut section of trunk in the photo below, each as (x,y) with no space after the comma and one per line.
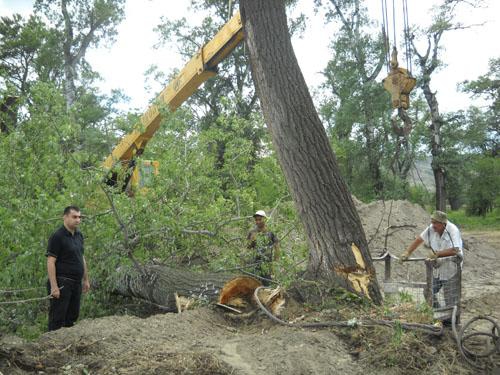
(159,285)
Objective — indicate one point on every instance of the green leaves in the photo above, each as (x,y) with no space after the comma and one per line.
(484,188)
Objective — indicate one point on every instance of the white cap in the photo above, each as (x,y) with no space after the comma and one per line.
(260,213)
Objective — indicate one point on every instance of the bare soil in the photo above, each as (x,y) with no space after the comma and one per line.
(208,341)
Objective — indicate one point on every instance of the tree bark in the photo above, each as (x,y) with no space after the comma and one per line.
(337,244)
(428,63)
(159,284)
(436,148)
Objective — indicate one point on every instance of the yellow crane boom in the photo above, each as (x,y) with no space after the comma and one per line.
(201,67)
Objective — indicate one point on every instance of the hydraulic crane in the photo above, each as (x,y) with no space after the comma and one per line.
(200,68)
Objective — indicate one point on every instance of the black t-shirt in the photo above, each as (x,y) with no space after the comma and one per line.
(68,249)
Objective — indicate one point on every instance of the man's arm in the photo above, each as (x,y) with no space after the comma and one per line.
(413,246)
(51,271)
(447,252)
(252,235)
(86,281)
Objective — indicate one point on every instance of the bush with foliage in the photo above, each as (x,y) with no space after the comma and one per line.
(484,190)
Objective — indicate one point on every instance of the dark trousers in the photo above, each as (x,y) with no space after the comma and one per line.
(64,311)
(451,291)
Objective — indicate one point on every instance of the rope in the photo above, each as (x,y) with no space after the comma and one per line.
(431,329)
(388,224)
(385,31)
(394,21)
(407,36)
(379,224)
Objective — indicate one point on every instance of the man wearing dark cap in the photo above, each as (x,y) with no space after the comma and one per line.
(444,239)
(266,246)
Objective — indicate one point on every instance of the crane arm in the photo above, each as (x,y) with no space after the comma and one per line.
(200,68)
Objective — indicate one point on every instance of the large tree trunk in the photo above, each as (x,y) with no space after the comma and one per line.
(159,284)
(338,247)
(70,62)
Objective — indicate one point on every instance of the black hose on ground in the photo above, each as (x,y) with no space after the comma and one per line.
(461,338)
(430,329)
(473,357)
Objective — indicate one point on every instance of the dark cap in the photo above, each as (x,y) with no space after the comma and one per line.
(439,216)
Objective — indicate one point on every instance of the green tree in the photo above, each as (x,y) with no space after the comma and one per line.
(355,112)
(484,188)
(428,61)
(28,52)
(228,98)
(82,24)
(230,93)
(482,141)
(488,87)
(41,176)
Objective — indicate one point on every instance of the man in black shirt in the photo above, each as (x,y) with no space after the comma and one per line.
(66,268)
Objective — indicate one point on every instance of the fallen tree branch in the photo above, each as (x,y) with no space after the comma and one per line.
(25,300)
(14,291)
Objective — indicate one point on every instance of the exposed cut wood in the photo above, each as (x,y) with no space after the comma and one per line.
(237,290)
(273,299)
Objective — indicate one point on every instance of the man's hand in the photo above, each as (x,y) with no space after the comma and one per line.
(404,257)
(86,286)
(55,292)
(432,256)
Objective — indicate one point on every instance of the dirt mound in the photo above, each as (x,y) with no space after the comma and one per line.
(391,225)
(198,341)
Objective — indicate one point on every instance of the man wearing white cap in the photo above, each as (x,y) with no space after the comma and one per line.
(444,239)
(265,244)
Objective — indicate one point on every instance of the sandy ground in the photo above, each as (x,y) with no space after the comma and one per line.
(207,341)
(199,341)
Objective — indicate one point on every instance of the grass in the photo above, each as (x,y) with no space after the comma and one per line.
(489,222)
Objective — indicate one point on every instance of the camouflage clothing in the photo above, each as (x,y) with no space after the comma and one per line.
(264,243)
